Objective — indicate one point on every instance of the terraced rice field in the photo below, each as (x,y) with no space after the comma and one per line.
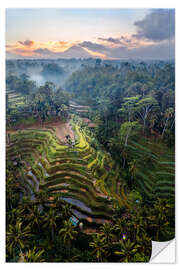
(155,176)
(76,172)
(15,99)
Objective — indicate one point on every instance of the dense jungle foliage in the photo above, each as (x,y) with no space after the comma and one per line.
(130,151)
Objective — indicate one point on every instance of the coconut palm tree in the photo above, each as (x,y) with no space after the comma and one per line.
(34,255)
(119,226)
(162,207)
(106,231)
(145,243)
(35,218)
(13,214)
(138,225)
(158,218)
(17,236)
(58,204)
(99,247)
(66,211)
(128,250)
(41,197)
(158,225)
(132,169)
(68,234)
(50,221)
(168,114)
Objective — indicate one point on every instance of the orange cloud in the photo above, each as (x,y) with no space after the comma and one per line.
(27,43)
(28,47)
(23,52)
(95,54)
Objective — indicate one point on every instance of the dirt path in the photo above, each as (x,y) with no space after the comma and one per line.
(61,129)
(90,230)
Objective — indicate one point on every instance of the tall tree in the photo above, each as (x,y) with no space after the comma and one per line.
(128,107)
(34,255)
(68,234)
(168,114)
(99,247)
(107,232)
(50,222)
(17,236)
(144,107)
(128,250)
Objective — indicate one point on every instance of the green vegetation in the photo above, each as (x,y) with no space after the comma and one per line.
(115,174)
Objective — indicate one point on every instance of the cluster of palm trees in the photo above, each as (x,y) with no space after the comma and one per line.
(120,242)
(32,226)
(40,230)
(129,236)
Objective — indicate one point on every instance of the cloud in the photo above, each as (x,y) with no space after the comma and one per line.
(123,41)
(110,39)
(27,43)
(43,51)
(11,46)
(63,43)
(153,39)
(163,50)
(95,47)
(157,26)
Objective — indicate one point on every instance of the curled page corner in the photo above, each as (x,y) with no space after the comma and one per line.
(163,252)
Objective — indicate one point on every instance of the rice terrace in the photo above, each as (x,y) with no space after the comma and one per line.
(90,154)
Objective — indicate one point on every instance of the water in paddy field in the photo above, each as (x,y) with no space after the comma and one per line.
(79,214)
(46,174)
(32,196)
(78,203)
(35,178)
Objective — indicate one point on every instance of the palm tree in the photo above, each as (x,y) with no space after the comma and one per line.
(128,249)
(145,243)
(34,255)
(162,207)
(50,221)
(158,223)
(99,247)
(17,235)
(66,211)
(58,203)
(106,231)
(168,113)
(13,214)
(68,234)
(35,218)
(132,169)
(119,226)
(124,155)
(41,197)
(138,225)
(158,218)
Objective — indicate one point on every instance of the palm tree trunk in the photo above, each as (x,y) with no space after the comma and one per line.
(52,234)
(144,124)
(124,160)
(157,234)
(172,123)
(127,136)
(165,126)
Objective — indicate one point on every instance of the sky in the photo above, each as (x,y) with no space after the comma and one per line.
(83,33)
